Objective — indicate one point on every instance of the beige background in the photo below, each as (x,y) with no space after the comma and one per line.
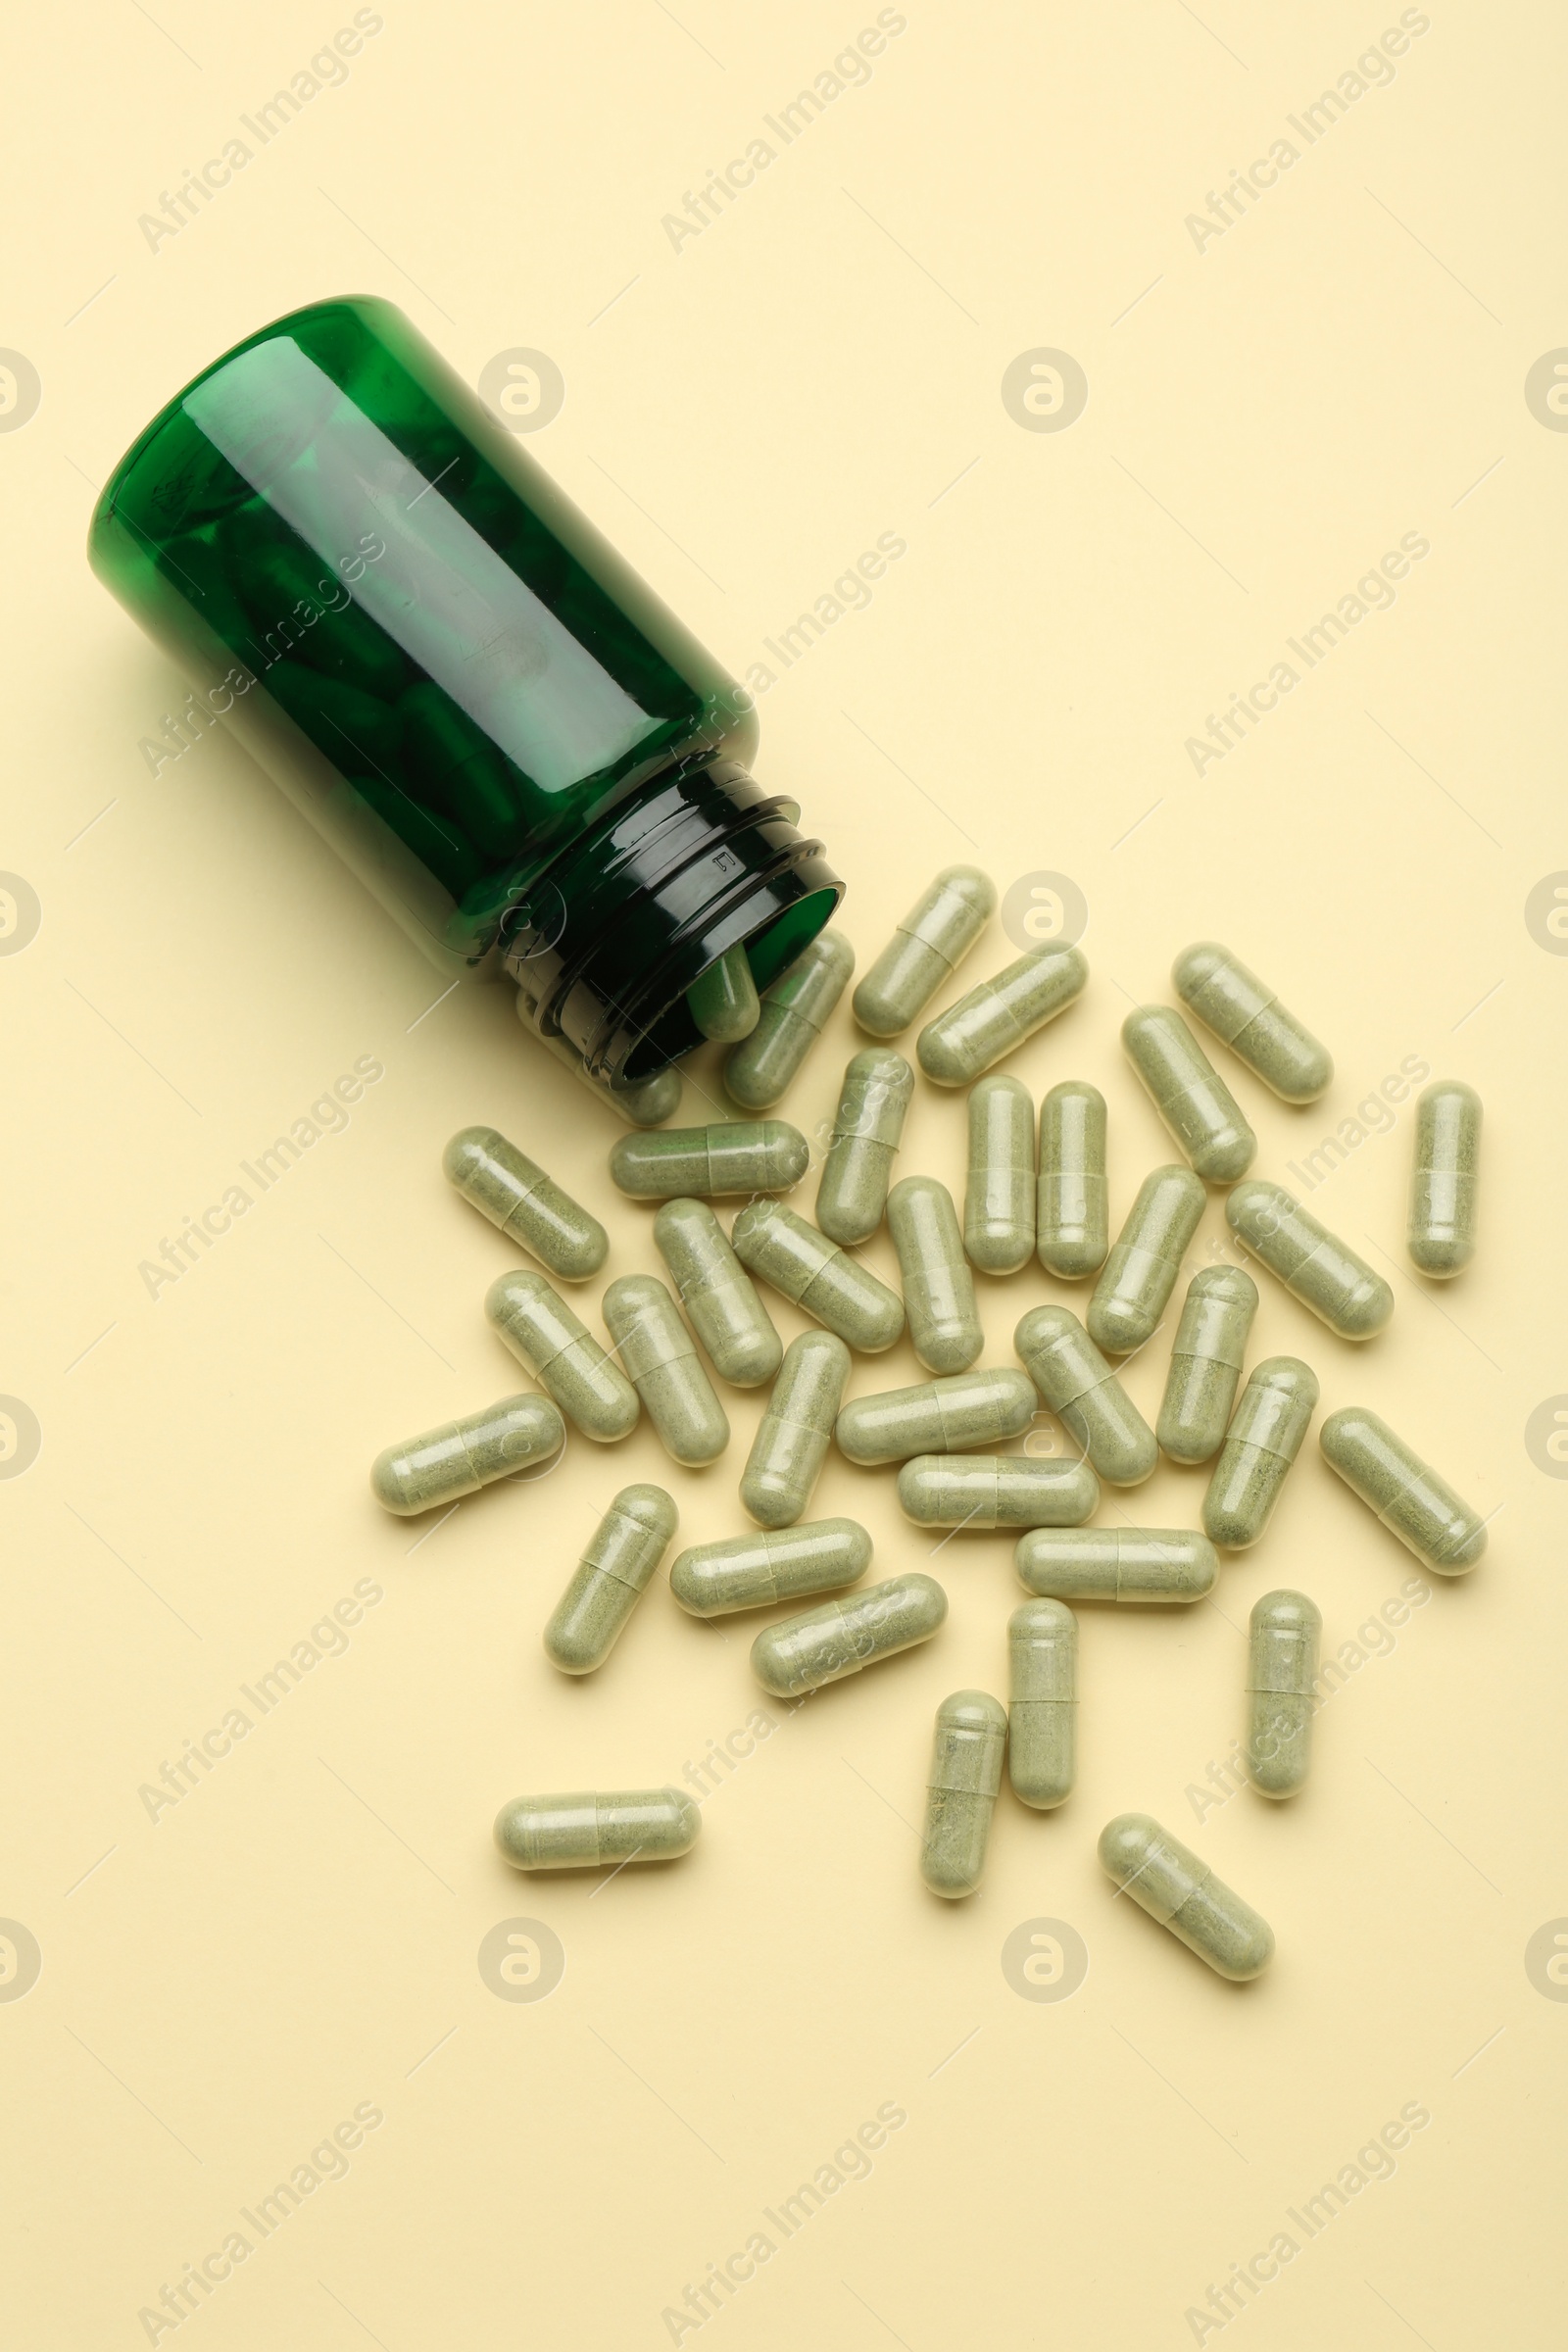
(298,1935)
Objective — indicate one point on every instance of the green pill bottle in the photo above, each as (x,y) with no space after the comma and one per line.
(523,755)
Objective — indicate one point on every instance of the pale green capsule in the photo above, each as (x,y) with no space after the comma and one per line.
(1073,1214)
(609,1579)
(1189,1094)
(996,1490)
(718,1295)
(803,1653)
(1128,1564)
(661,1363)
(1250,1018)
(775,1563)
(504,1185)
(937,1285)
(1000,1014)
(1280,1667)
(461,1457)
(1412,1502)
(1042,1702)
(1085,1394)
(793,1013)
(1140,1274)
(1262,1442)
(640,1101)
(589,1828)
(806,1267)
(792,1438)
(999,1200)
(710,1163)
(1313,1264)
(925,951)
(543,1333)
(1441,1233)
(960,1791)
(1205,1364)
(723,1001)
(853,1188)
(1183,1894)
(939,1416)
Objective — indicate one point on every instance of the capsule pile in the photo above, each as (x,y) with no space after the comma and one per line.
(939,1437)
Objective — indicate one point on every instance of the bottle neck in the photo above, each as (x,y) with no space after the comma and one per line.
(638,906)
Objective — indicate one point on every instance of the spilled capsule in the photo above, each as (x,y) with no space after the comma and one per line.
(853,1188)
(804,1266)
(661,1363)
(1314,1264)
(589,1828)
(939,1416)
(1281,1668)
(543,1333)
(504,1185)
(999,1200)
(960,1791)
(718,1295)
(824,1646)
(1442,1232)
(1140,1274)
(1205,1364)
(790,1020)
(963,1042)
(1117,1563)
(609,1579)
(937,1285)
(723,1000)
(1244,1015)
(1074,1379)
(925,951)
(792,1438)
(1169,1882)
(461,1457)
(996,1490)
(1073,1204)
(1042,1702)
(1262,1442)
(1412,1502)
(770,1564)
(734,1157)
(1189,1094)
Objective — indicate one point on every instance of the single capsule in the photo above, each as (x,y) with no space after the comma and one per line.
(999,1200)
(925,951)
(1073,1211)
(661,1363)
(609,1579)
(543,1333)
(506,1186)
(712,1163)
(804,1266)
(1000,1014)
(1088,1400)
(1129,1564)
(1205,1362)
(791,1019)
(1140,1274)
(777,1563)
(591,1827)
(717,1294)
(960,1791)
(996,1490)
(853,1188)
(792,1438)
(937,1285)
(723,1001)
(1312,1263)
(802,1654)
(1189,1094)
(1260,1444)
(1042,1702)
(461,1457)
(1183,1894)
(1281,1668)
(1412,1502)
(939,1416)
(1250,1018)
(1442,1235)
(640,1101)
